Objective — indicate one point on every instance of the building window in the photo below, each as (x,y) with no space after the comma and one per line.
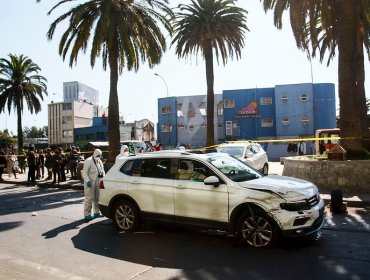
(203,111)
(304,98)
(67,120)
(220,109)
(229,128)
(166,127)
(284,98)
(266,101)
(67,106)
(179,111)
(90,137)
(267,122)
(285,121)
(191,111)
(166,110)
(229,103)
(305,120)
(67,133)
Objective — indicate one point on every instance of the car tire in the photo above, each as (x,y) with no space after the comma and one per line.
(257,228)
(126,216)
(265,169)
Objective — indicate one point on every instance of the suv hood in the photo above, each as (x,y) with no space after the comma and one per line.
(287,187)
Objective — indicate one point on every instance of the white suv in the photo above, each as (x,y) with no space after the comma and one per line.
(211,190)
(251,153)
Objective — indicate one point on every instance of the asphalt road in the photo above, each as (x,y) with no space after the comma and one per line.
(43,236)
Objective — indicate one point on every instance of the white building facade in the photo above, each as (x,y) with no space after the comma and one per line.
(79,106)
(63,117)
(78,91)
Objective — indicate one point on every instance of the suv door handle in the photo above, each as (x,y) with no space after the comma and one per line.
(135,182)
(180,187)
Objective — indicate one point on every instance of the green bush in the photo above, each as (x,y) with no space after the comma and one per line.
(358,155)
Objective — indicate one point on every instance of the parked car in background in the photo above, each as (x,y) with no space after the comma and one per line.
(212,190)
(250,153)
(140,146)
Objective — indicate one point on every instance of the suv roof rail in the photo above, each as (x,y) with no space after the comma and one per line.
(238,141)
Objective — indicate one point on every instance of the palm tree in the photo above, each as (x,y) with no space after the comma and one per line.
(327,26)
(124,33)
(20,85)
(210,27)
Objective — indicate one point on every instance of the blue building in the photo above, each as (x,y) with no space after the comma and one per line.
(97,132)
(280,112)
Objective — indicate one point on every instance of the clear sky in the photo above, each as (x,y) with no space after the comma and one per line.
(270,58)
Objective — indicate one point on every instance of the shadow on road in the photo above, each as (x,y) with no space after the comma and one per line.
(54,232)
(9,225)
(211,255)
(36,199)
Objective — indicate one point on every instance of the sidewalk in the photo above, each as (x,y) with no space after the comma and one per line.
(352,199)
(42,183)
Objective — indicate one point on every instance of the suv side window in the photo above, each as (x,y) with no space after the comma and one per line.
(250,150)
(154,168)
(192,170)
(255,149)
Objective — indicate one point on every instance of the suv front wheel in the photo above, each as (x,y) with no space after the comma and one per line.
(126,215)
(257,228)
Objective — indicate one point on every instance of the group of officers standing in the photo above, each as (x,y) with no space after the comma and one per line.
(56,162)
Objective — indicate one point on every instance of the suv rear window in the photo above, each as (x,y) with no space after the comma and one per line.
(153,168)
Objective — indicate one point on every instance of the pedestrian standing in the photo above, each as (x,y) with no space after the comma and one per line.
(42,163)
(301,148)
(73,162)
(22,160)
(55,165)
(38,165)
(11,160)
(31,160)
(2,165)
(48,166)
(92,173)
(62,166)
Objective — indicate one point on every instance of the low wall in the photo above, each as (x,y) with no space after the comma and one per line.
(349,176)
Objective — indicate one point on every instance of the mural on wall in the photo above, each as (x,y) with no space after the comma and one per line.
(192,119)
(251,110)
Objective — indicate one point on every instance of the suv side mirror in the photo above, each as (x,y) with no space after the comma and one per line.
(212,180)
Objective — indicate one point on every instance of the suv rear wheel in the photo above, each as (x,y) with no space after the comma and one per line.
(257,228)
(126,215)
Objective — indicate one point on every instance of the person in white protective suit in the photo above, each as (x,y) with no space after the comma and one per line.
(124,152)
(92,173)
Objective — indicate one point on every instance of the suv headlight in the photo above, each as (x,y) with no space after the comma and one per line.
(295,206)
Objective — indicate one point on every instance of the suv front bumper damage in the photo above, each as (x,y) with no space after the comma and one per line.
(302,223)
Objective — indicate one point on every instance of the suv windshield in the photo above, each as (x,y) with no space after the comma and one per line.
(233,168)
(233,151)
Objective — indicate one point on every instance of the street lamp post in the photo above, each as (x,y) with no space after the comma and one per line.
(167,96)
(163,81)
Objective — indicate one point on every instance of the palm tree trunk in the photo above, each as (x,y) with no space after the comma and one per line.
(351,75)
(20,130)
(113,110)
(210,96)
